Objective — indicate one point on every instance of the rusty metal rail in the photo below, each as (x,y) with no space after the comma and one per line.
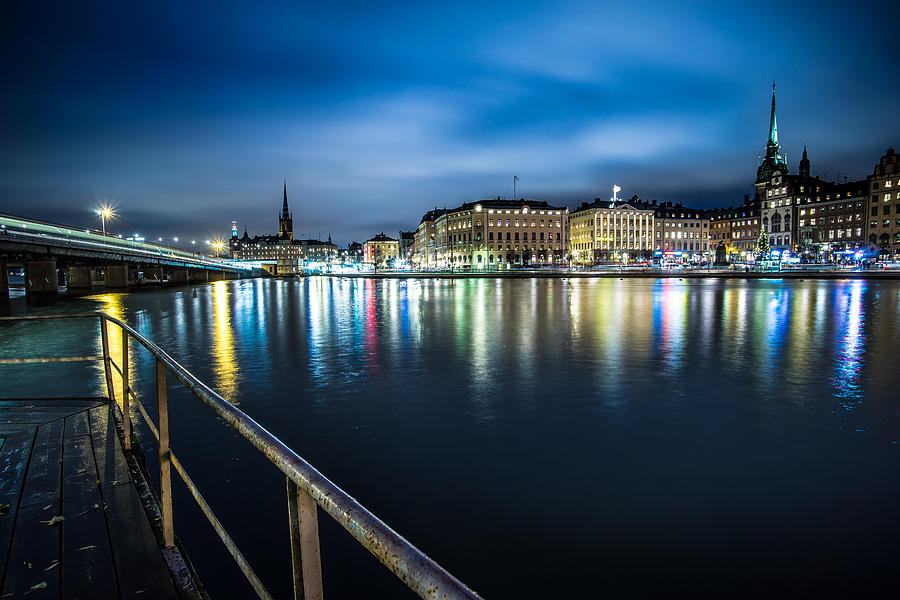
(307,488)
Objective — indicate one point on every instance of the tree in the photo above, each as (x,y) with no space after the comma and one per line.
(762,243)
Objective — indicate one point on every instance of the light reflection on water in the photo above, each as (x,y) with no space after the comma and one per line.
(707,415)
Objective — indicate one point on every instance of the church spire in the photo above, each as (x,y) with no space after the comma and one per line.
(286,222)
(773,126)
(774,159)
(803,169)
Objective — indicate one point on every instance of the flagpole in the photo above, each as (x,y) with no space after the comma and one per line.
(515,179)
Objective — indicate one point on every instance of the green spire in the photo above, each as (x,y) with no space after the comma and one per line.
(774,159)
(773,126)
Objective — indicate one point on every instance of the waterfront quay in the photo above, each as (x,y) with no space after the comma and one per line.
(625,273)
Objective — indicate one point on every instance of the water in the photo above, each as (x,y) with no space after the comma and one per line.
(544,438)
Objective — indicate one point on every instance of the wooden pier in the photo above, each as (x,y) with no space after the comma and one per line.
(73,511)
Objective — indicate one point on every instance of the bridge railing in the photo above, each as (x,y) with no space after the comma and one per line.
(307,489)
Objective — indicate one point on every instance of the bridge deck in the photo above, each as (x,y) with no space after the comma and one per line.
(72,524)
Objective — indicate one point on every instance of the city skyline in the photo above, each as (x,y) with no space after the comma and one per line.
(376,118)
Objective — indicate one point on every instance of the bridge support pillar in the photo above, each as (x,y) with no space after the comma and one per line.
(4,279)
(232,275)
(78,278)
(116,276)
(180,276)
(216,275)
(199,275)
(40,277)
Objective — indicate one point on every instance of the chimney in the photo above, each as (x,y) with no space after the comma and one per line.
(746,198)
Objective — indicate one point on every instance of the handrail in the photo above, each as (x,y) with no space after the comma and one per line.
(307,488)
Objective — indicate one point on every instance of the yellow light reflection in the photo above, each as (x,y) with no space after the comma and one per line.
(114,305)
(224,357)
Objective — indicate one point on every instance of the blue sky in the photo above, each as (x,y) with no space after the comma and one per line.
(188,115)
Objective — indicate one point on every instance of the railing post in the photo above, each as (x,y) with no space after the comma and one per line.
(165,461)
(304,528)
(126,388)
(107,367)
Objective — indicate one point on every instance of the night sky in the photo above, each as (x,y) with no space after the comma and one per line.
(188,115)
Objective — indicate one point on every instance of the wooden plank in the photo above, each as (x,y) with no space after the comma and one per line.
(77,424)
(13,463)
(34,551)
(140,567)
(112,469)
(43,477)
(86,559)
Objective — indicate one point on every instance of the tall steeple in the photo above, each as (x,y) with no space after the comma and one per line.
(286,222)
(774,159)
(773,125)
(803,168)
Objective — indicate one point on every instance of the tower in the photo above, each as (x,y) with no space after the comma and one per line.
(286,222)
(774,159)
(803,169)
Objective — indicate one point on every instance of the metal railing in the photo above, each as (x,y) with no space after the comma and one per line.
(307,489)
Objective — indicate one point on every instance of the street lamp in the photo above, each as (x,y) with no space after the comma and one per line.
(105,212)
(217,245)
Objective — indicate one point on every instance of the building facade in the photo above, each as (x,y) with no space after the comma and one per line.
(883,234)
(493,234)
(611,231)
(681,232)
(381,251)
(832,224)
(425,242)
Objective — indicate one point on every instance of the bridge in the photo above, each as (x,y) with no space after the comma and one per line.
(54,255)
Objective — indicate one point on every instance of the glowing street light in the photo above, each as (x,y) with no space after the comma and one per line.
(105,212)
(217,245)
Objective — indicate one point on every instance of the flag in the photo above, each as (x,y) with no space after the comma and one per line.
(515,177)
(616,189)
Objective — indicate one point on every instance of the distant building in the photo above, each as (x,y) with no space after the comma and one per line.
(884,206)
(407,242)
(781,194)
(287,254)
(607,231)
(493,234)
(424,242)
(681,232)
(351,255)
(734,231)
(381,251)
(832,224)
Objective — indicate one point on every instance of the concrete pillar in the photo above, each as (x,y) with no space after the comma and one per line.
(199,275)
(40,277)
(116,276)
(153,275)
(216,275)
(78,278)
(4,279)
(180,276)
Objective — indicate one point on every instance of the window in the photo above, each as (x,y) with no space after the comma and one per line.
(886,210)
